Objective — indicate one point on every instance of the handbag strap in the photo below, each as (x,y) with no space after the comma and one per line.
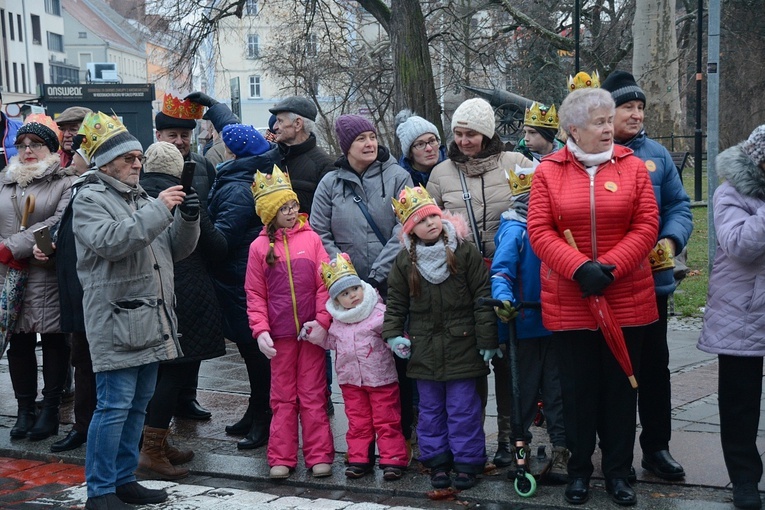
(365,212)
(471,216)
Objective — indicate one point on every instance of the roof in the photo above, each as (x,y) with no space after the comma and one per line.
(105,22)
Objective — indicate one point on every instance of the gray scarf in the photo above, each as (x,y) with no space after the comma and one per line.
(431,259)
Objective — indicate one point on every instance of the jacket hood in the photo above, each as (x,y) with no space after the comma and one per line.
(739,170)
(635,142)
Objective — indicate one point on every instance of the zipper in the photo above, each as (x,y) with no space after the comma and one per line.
(593,234)
(292,282)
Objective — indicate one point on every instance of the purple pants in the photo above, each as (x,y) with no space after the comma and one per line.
(449,427)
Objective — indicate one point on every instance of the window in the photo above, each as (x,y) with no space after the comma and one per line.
(311,45)
(253,46)
(55,42)
(251,7)
(15,78)
(21,31)
(39,74)
(23,79)
(254,86)
(36,30)
(53,7)
(10,25)
(82,35)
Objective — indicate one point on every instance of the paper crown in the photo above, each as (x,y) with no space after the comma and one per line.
(181,108)
(520,180)
(265,184)
(336,269)
(583,80)
(409,201)
(97,127)
(661,257)
(539,115)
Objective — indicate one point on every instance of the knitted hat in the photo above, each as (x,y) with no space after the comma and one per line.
(42,127)
(114,147)
(73,114)
(754,146)
(163,158)
(348,127)
(623,88)
(244,140)
(339,275)
(413,206)
(475,114)
(409,127)
(271,192)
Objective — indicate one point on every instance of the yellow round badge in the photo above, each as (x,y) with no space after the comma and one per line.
(610,186)
(650,165)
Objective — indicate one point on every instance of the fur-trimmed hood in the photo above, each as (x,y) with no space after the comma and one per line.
(739,170)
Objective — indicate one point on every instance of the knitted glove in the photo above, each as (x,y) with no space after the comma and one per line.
(190,205)
(487,354)
(400,346)
(507,312)
(313,332)
(594,277)
(201,98)
(266,345)
(6,257)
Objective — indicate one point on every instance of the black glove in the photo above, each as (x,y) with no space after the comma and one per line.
(594,277)
(201,98)
(190,205)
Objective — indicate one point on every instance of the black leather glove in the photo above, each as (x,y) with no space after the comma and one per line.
(594,277)
(190,205)
(201,98)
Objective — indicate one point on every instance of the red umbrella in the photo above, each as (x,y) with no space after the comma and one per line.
(609,325)
(12,295)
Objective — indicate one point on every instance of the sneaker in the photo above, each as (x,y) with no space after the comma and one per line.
(356,471)
(746,495)
(558,473)
(321,470)
(440,479)
(464,481)
(279,472)
(391,473)
(136,494)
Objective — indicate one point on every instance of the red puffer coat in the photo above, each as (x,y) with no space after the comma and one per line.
(614,219)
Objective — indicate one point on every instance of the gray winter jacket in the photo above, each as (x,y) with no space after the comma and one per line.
(341,224)
(734,319)
(127,243)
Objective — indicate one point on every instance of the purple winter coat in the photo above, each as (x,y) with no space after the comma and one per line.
(734,319)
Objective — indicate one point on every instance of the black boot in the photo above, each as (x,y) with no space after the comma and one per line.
(46,424)
(25,420)
(258,435)
(243,426)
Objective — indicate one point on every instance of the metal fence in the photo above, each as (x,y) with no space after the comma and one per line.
(675,143)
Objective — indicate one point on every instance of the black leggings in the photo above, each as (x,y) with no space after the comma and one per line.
(171,378)
(22,365)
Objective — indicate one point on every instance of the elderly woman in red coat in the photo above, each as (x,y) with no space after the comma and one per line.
(602,194)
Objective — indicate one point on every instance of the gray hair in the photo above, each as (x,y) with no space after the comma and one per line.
(308,124)
(578,106)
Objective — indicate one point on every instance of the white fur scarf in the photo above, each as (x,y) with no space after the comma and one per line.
(24,173)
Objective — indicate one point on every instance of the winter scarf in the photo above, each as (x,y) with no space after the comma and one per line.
(484,161)
(519,209)
(587,159)
(22,174)
(431,259)
(358,314)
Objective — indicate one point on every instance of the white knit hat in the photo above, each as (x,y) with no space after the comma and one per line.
(475,114)
(163,158)
(409,127)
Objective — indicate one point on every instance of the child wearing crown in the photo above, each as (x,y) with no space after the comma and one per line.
(285,295)
(434,286)
(366,371)
(515,279)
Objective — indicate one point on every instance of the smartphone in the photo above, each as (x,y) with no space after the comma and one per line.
(187,175)
(42,238)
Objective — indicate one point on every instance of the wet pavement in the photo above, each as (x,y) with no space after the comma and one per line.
(225,477)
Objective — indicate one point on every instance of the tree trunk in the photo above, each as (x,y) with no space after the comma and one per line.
(654,64)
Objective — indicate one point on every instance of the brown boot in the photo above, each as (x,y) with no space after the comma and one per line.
(175,455)
(153,464)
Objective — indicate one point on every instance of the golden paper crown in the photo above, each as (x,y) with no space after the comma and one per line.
(336,269)
(265,184)
(409,201)
(520,180)
(97,127)
(583,80)
(181,108)
(661,257)
(539,115)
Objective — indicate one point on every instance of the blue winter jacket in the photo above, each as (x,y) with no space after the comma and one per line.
(9,138)
(675,219)
(420,178)
(232,212)
(515,277)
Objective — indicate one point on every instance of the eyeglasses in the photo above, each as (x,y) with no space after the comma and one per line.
(34,146)
(433,142)
(129,158)
(286,209)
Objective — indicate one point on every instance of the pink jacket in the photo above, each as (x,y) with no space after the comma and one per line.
(280,299)
(362,356)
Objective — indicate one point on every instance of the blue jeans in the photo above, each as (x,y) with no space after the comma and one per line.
(115,430)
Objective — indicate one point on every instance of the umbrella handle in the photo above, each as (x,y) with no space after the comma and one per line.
(570,239)
(29,208)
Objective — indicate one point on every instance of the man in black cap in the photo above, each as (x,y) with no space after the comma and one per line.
(69,123)
(305,162)
(676,224)
(8,129)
